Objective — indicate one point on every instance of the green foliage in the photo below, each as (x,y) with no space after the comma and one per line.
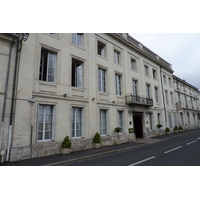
(167,130)
(176,128)
(159,126)
(66,142)
(97,138)
(180,128)
(118,129)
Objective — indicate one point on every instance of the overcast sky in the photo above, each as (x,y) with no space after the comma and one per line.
(182,50)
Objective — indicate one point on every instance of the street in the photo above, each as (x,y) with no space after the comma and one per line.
(179,151)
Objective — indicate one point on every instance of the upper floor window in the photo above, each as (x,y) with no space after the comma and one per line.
(116,56)
(133,64)
(164,79)
(77,73)
(47,66)
(179,97)
(118,84)
(146,70)
(156,94)
(166,97)
(77,39)
(170,81)
(154,74)
(101,49)
(171,95)
(102,80)
(148,91)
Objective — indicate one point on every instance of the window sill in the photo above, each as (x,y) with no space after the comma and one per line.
(79,47)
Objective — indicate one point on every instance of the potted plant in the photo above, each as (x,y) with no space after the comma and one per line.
(176,129)
(66,145)
(159,126)
(118,129)
(97,140)
(180,128)
(167,130)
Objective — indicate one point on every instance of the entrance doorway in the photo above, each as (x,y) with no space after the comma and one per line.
(137,121)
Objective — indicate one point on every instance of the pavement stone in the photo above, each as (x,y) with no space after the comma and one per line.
(77,155)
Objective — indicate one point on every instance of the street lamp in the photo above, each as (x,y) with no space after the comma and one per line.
(24,36)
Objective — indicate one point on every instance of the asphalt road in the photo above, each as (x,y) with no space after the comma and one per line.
(180,151)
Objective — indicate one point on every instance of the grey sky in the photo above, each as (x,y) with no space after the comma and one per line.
(182,50)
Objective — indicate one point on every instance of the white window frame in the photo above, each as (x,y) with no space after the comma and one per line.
(101,48)
(146,70)
(117,56)
(121,120)
(77,77)
(77,39)
(166,97)
(148,91)
(101,80)
(78,121)
(104,122)
(118,84)
(50,65)
(172,101)
(156,95)
(44,122)
(154,74)
(133,64)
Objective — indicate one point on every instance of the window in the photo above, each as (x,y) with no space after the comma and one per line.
(177,85)
(133,64)
(77,73)
(154,74)
(121,121)
(118,84)
(175,120)
(156,94)
(45,123)
(179,97)
(146,70)
(164,79)
(148,91)
(77,39)
(171,95)
(166,97)
(186,102)
(135,90)
(116,56)
(151,121)
(170,81)
(103,122)
(102,80)
(77,122)
(181,117)
(47,66)
(158,116)
(188,117)
(101,49)
(170,121)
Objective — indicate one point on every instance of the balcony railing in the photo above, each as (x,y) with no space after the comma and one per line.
(136,99)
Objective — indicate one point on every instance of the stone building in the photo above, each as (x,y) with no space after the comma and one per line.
(78,84)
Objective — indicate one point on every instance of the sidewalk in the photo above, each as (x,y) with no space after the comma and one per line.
(78,155)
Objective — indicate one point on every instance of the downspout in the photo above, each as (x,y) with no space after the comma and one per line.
(163,96)
(4,101)
(12,99)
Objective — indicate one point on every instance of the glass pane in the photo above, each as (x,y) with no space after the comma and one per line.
(39,135)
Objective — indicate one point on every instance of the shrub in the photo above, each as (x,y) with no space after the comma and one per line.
(97,138)
(66,142)
(167,130)
(176,128)
(118,129)
(180,128)
(159,126)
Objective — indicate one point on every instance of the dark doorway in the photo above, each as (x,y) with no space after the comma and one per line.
(137,121)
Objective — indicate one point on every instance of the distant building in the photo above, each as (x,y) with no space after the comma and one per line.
(79,84)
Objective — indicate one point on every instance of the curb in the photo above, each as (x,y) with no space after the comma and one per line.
(112,151)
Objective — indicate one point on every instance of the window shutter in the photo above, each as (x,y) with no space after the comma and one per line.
(82,122)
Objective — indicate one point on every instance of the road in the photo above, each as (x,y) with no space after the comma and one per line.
(179,151)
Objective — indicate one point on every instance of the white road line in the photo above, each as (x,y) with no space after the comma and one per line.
(191,142)
(142,161)
(198,138)
(173,149)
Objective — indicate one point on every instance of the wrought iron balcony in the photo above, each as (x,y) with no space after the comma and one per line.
(136,99)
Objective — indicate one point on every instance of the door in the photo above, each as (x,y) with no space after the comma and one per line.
(137,121)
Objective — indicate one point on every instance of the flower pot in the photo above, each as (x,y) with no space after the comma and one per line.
(96,145)
(65,150)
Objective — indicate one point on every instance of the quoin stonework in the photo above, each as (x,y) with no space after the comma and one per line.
(55,85)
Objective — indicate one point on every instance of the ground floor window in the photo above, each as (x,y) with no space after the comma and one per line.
(45,122)
(77,122)
(170,121)
(121,121)
(151,121)
(103,122)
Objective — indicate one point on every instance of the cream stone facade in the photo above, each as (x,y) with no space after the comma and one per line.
(78,84)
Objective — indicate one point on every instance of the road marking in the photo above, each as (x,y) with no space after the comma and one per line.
(198,138)
(142,161)
(173,149)
(191,142)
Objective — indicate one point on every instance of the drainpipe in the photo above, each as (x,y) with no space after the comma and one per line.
(12,99)
(4,102)
(163,96)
